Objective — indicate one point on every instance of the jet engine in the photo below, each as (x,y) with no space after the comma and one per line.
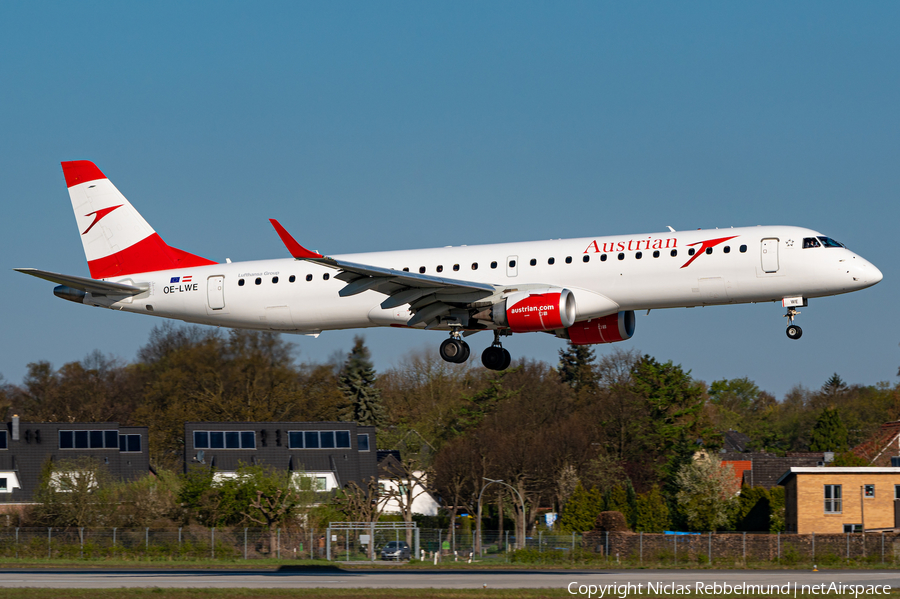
(533,310)
(607,329)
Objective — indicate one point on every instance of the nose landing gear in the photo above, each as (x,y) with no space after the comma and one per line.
(495,357)
(793,331)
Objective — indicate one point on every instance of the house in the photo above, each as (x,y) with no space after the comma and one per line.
(759,469)
(881,449)
(391,478)
(26,447)
(836,500)
(331,454)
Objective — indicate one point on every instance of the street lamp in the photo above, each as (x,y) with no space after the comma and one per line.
(478,521)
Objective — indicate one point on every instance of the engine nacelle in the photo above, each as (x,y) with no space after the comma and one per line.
(607,329)
(535,310)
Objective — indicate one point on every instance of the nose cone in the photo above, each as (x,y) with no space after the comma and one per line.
(865,273)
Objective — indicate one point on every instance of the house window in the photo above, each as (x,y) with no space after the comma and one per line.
(362,443)
(853,528)
(224,440)
(130,443)
(3,485)
(869,491)
(3,442)
(896,491)
(832,499)
(108,439)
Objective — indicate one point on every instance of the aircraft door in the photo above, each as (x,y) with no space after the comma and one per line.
(512,266)
(215,292)
(769,255)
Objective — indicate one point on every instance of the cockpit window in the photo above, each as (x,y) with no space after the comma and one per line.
(811,242)
(830,243)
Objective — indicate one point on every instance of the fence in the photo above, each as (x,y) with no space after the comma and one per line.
(736,549)
(623,548)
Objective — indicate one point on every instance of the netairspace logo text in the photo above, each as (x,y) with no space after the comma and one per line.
(621,591)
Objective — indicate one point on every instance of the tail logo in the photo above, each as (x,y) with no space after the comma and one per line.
(98,215)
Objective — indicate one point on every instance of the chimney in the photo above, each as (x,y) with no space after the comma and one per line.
(15,427)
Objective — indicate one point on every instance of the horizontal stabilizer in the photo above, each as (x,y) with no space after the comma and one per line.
(92,286)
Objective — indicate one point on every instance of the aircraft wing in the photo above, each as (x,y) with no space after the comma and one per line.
(92,286)
(429,297)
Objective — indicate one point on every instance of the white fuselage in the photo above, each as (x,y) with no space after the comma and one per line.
(762,264)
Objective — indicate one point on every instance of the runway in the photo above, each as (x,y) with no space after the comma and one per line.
(439,579)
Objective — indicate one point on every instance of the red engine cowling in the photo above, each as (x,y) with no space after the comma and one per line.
(608,329)
(540,310)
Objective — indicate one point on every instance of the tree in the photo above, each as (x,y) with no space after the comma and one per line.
(829,432)
(651,512)
(581,510)
(616,500)
(362,400)
(576,368)
(753,511)
(277,498)
(409,480)
(707,490)
(76,492)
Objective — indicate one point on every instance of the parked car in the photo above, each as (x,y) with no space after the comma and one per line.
(397,550)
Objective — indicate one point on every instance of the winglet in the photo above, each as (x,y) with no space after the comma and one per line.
(297,251)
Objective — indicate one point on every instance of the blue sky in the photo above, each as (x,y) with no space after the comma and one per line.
(376,126)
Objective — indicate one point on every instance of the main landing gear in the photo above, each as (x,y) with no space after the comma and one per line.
(793,331)
(495,357)
(456,351)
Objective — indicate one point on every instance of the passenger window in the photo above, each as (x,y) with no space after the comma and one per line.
(656,253)
(551,260)
(533,262)
(421,270)
(568,259)
(494,264)
(240,282)
(258,281)
(292,278)
(474,266)
(709,250)
(726,249)
(309,277)
(585,258)
(691,252)
(621,256)
(512,263)
(602,257)
(440,268)
(673,253)
(405,269)
(325,276)
(743,249)
(456,267)
(638,255)
(274,279)
(810,242)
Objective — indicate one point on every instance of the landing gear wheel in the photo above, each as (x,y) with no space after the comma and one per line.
(495,358)
(506,360)
(794,332)
(454,350)
(466,352)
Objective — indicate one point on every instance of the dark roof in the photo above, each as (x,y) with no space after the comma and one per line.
(735,442)
(384,453)
(767,470)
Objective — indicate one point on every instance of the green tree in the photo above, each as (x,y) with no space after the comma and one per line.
(651,512)
(829,432)
(753,510)
(74,492)
(362,400)
(674,414)
(576,367)
(616,500)
(706,493)
(581,510)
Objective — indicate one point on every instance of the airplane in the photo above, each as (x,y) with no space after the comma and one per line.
(585,290)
